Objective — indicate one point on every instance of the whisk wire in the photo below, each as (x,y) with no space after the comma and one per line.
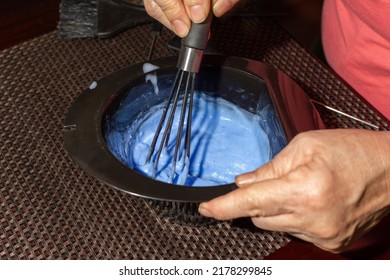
(162,119)
(187,143)
(186,96)
(173,109)
(167,118)
(165,138)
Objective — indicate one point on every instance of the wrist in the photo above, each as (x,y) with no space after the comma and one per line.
(385,159)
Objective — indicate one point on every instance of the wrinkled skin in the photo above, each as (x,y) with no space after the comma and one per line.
(327,187)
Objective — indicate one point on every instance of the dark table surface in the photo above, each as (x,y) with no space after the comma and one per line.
(23,20)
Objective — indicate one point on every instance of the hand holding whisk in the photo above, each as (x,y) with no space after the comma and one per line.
(190,58)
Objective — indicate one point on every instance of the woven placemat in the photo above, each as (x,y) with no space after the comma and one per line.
(51,209)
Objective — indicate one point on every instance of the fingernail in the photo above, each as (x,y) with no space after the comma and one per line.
(204,211)
(221,7)
(198,14)
(180,28)
(245,179)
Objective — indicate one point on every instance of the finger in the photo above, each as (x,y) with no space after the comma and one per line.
(280,223)
(326,245)
(160,16)
(171,13)
(197,9)
(289,224)
(262,199)
(265,172)
(220,7)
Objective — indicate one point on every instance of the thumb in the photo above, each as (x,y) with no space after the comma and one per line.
(262,199)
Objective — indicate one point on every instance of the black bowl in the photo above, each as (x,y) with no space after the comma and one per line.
(86,120)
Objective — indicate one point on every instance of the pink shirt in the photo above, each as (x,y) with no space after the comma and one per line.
(356,39)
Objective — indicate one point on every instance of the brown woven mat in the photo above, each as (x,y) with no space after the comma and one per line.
(51,209)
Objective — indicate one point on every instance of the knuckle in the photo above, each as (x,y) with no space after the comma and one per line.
(193,2)
(156,8)
(152,8)
(320,190)
(309,141)
(190,3)
(170,7)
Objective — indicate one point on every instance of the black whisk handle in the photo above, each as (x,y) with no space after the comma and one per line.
(199,34)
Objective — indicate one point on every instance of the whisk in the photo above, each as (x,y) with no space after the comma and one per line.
(189,61)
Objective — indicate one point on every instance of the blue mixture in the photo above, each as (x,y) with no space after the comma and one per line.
(226,141)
